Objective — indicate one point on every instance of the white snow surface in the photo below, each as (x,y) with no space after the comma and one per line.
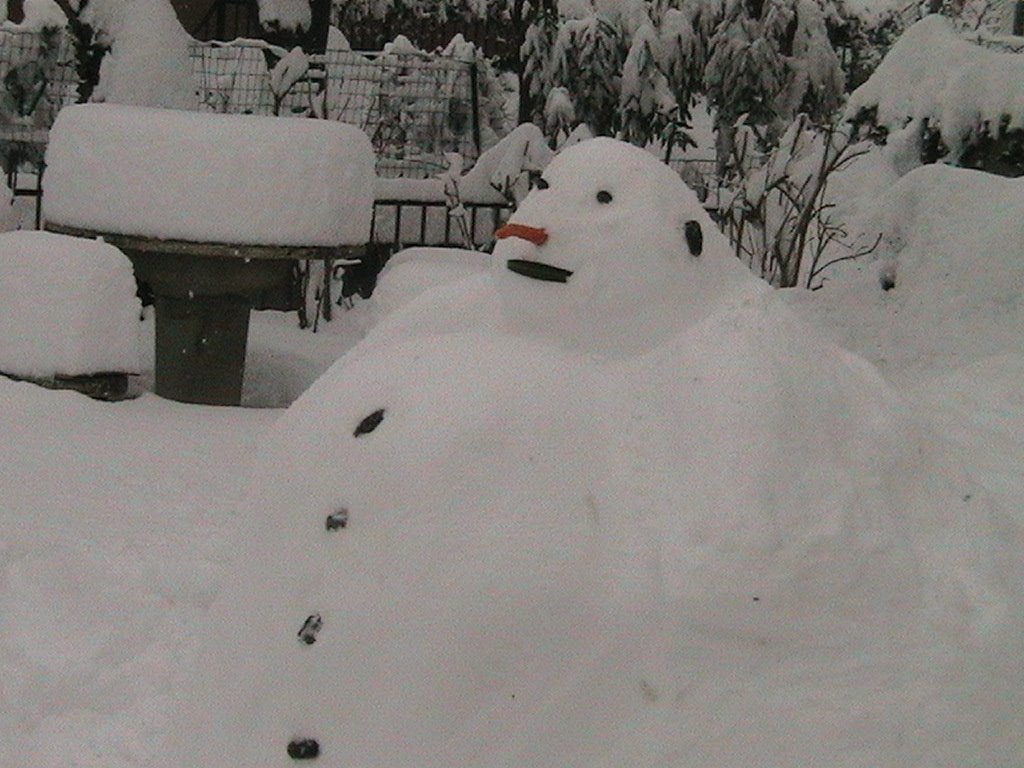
(414,271)
(709,550)
(932,73)
(67,306)
(587,532)
(210,178)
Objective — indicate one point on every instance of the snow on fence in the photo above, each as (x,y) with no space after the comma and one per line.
(414,107)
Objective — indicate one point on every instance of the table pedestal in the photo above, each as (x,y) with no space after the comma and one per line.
(202,296)
(200,348)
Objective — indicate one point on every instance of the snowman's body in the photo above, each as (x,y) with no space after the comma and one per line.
(518,545)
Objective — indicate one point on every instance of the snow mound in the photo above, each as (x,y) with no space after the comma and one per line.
(950,242)
(512,554)
(641,266)
(414,271)
(177,175)
(515,548)
(67,306)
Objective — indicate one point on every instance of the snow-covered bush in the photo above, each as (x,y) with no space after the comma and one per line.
(782,221)
(284,14)
(587,59)
(653,106)
(957,101)
(535,56)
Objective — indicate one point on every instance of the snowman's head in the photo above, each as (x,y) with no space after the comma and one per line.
(610,251)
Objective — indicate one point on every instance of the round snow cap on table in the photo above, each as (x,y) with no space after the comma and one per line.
(203,177)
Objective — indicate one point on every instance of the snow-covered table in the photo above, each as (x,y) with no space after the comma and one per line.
(215,212)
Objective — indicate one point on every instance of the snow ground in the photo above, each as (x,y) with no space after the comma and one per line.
(120,522)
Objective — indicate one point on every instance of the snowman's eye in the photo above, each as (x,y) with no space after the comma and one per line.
(540,183)
(604,196)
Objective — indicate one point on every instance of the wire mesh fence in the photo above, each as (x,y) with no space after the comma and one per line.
(414,108)
(37,78)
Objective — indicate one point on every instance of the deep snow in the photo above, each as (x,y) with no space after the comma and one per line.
(120,523)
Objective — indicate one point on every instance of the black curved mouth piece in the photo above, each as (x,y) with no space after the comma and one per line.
(539,271)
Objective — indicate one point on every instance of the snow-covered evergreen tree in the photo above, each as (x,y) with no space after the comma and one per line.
(769,60)
(587,60)
(649,109)
(535,57)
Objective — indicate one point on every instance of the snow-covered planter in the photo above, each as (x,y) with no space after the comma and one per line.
(960,102)
(209,178)
(67,308)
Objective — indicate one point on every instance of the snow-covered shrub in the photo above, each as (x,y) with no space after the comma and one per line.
(961,103)
(148,60)
(587,59)
(865,39)
(286,72)
(780,218)
(559,115)
(659,79)
(284,14)
(535,56)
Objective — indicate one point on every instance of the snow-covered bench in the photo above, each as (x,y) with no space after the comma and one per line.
(69,316)
(215,212)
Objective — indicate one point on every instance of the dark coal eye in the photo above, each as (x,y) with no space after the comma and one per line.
(540,183)
(604,196)
(694,237)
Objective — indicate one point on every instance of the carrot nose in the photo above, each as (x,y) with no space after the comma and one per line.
(535,235)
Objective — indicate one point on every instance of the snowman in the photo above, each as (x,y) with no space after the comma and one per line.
(608,504)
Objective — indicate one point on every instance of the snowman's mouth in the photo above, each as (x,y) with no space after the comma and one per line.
(539,270)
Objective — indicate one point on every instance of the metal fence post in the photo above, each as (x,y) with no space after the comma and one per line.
(474,97)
